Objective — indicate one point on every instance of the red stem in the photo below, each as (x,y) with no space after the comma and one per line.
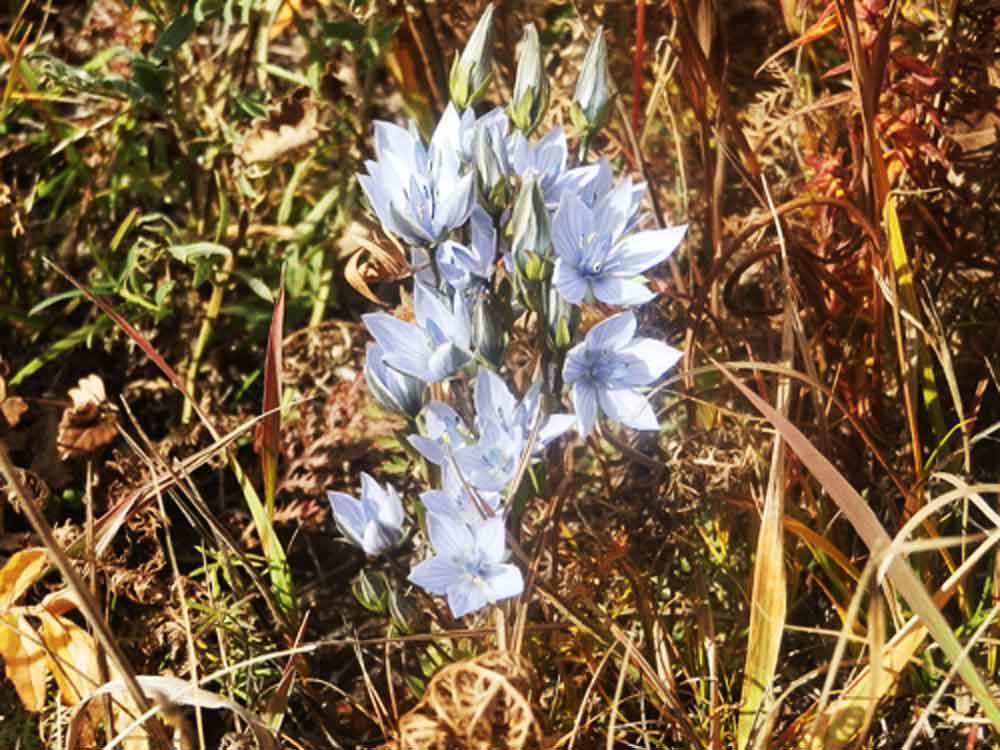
(640,39)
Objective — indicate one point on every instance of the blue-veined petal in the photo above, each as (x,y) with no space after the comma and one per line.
(397,337)
(643,250)
(435,575)
(629,408)
(491,540)
(503,581)
(611,333)
(614,290)
(349,516)
(466,597)
(585,406)
(655,358)
(450,538)
(573,287)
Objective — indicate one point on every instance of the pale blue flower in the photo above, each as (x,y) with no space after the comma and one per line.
(433,348)
(495,403)
(470,267)
(391,388)
(458,499)
(418,192)
(444,433)
(607,368)
(470,566)
(597,259)
(374,524)
(505,426)
(545,161)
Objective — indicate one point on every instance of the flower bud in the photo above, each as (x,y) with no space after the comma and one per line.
(531,86)
(405,614)
(592,99)
(471,73)
(492,169)
(487,331)
(563,318)
(531,233)
(372,591)
(393,390)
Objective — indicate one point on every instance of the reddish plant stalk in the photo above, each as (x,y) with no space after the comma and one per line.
(640,39)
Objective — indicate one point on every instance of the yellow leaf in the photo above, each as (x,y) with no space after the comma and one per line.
(20,573)
(72,657)
(24,659)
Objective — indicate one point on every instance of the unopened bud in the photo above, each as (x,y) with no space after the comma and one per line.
(492,169)
(487,331)
(592,99)
(372,591)
(563,319)
(471,72)
(531,233)
(531,86)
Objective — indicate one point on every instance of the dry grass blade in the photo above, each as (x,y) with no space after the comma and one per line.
(868,527)
(171,692)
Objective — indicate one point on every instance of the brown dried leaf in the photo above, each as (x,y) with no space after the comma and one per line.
(294,125)
(90,423)
(13,408)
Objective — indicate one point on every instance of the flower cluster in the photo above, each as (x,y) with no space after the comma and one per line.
(503,229)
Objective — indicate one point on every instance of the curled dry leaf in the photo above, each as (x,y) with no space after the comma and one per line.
(479,704)
(12,408)
(90,423)
(37,487)
(382,266)
(294,125)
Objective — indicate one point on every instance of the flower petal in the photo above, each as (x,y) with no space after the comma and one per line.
(613,290)
(504,581)
(465,597)
(435,575)
(652,358)
(397,337)
(611,333)
(449,538)
(585,405)
(491,540)
(573,287)
(349,516)
(643,250)
(629,408)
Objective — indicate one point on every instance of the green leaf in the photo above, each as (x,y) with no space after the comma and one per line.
(173,37)
(197,251)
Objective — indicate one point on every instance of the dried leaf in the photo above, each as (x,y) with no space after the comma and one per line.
(20,573)
(12,409)
(90,423)
(72,657)
(24,659)
(294,125)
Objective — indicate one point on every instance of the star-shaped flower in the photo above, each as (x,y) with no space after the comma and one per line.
(433,348)
(597,259)
(608,367)
(470,566)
